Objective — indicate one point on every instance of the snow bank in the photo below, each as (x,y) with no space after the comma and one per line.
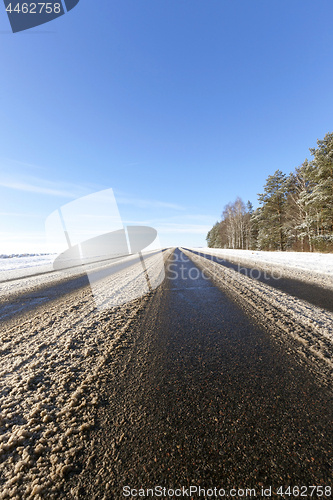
(299,265)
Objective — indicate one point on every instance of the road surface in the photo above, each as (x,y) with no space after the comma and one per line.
(201,395)
(314,294)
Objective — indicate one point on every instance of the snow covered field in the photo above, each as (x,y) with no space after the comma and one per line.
(305,266)
(25,265)
(17,261)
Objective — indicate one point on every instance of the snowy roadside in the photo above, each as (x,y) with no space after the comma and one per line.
(304,266)
(51,361)
(16,284)
(21,261)
(15,267)
(303,328)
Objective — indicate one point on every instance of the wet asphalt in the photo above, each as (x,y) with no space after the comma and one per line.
(22,303)
(205,397)
(314,294)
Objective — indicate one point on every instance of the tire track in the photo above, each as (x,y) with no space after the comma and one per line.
(303,328)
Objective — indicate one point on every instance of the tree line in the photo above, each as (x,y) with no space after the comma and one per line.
(295,211)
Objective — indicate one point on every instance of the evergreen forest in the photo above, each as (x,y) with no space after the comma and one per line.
(295,211)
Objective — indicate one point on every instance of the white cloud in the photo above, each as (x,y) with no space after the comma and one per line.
(170,227)
(23,186)
(121,200)
(8,163)
(183,228)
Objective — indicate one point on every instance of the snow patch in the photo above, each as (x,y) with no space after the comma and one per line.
(306,266)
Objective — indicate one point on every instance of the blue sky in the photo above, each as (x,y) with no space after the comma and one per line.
(178,105)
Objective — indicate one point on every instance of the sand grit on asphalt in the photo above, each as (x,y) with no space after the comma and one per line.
(52,361)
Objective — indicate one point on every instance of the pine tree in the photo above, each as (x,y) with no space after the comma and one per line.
(295,211)
(213,237)
(322,196)
(271,216)
(300,213)
(251,228)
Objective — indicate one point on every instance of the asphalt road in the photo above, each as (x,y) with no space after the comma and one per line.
(62,283)
(204,397)
(314,294)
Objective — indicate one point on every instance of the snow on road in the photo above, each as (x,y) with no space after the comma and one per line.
(305,266)
(50,363)
(35,272)
(52,358)
(303,326)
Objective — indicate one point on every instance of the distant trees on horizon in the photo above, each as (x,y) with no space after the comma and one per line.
(295,211)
